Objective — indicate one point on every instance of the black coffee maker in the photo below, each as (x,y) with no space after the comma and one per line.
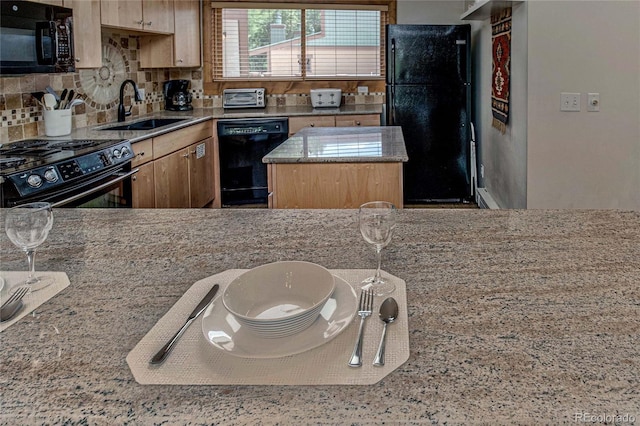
(177,96)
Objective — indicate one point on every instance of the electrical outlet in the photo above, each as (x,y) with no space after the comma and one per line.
(363,90)
(569,101)
(141,92)
(593,102)
(482,171)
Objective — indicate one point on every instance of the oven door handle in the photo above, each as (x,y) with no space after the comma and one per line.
(120,178)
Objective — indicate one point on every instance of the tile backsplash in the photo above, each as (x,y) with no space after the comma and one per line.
(22,115)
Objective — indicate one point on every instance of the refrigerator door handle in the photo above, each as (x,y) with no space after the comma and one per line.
(393,83)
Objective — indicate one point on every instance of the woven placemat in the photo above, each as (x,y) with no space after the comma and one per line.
(34,299)
(194,361)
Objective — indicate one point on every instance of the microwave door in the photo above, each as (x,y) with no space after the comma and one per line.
(46,42)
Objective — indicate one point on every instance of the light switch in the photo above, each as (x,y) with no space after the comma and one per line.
(593,102)
(569,101)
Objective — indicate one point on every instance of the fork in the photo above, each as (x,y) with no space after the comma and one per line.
(365,308)
(17,295)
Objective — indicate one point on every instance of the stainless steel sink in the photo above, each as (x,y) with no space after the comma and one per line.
(149,124)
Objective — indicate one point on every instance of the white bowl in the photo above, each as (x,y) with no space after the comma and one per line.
(279,295)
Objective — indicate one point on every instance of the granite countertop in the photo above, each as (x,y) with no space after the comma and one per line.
(341,145)
(203,114)
(515,317)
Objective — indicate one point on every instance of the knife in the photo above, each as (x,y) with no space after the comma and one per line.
(162,353)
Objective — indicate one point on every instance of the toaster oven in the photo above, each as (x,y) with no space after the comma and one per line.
(244,98)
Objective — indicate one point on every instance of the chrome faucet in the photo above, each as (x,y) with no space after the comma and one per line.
(121,113)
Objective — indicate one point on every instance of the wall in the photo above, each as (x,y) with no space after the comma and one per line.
(548,158)
(21,116)
(584,159)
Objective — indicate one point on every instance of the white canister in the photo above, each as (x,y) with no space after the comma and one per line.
(57,122)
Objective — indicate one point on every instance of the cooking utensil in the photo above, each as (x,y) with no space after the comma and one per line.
(364,310)
(72,94)
(49,89)
(13,304)
(162,353)
(388,314)
(49,101)
(74,103)
(63,99)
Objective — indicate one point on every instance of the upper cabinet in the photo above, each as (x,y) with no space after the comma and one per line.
(86,40)
(181,49)
(155,16)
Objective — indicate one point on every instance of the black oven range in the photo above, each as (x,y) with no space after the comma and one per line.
(66,173)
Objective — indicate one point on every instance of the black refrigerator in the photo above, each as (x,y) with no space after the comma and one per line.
(428,94)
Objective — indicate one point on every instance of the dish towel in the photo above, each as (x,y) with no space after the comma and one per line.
(194,361)
(501,70)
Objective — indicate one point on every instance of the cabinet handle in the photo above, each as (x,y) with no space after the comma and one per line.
(148,23)
(312,125)
(140,22)
(78,60)
(134,177)
(193,152)
(185,155)
(357,123)
(141,153)
(179,61)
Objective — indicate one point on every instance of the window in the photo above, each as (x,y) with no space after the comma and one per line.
(297,41)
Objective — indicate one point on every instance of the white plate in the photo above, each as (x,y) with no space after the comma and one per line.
(223,331)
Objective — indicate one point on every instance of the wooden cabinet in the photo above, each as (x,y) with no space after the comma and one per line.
(184,163)
(143,188)
(142,183)
(53,2)
(333,185)
(87,43)
(297,123)
(181,49)
(171,174)
(139,15)
(176,169)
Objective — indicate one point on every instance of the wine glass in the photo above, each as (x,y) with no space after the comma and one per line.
(377,221)
(27,227)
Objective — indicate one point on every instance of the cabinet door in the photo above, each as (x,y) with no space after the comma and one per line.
(158,16)
(201,173)
(357,120)
(121,13)
(86,40)
(171,179)
(297,123)
(186,51)
(143,188)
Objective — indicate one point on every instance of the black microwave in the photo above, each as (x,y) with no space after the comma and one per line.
(35,38)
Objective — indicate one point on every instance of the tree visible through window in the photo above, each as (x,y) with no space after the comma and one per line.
(299,43)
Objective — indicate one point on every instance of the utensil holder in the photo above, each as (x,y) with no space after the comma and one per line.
(57,122)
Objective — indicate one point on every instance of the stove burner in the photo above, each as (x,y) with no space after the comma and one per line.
(75,144)
(6,163)
(31,143)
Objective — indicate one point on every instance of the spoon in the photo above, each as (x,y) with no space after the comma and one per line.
(388,314)
(49,101)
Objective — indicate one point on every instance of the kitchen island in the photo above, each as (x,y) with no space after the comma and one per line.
(515,317)
(337,167)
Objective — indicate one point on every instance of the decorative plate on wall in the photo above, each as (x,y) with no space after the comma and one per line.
(102,85)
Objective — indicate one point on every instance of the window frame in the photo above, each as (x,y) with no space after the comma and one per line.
(286,85)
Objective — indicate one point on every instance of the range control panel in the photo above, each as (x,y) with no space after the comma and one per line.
(52,176)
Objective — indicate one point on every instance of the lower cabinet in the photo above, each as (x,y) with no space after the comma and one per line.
(176,169)
(185,178)
(333,185)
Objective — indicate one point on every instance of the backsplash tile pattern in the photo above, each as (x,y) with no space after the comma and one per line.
(21,115)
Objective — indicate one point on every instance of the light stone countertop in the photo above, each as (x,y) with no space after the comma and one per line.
(515,317)
(341,145)
(202,114)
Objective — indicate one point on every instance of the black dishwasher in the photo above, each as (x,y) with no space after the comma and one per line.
(242,143)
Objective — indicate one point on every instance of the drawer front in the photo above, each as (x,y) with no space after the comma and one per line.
(176,140)
(357,120)
(297,123)
(143,151)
